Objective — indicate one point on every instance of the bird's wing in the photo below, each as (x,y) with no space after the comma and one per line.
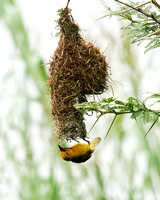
(95,142)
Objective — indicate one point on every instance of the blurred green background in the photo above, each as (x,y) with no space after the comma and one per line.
(126,165)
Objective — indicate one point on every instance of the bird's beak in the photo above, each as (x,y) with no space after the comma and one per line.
(61,149)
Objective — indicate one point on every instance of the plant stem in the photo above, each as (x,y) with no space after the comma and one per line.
(138,125)
(154,33)
(94,123)
(155,3)
(134,7)
(141,11)
(150,128)
(116,113)
(124,11)
(67,3)
(110,126)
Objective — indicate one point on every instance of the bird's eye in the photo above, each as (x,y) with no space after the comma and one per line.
(66,152)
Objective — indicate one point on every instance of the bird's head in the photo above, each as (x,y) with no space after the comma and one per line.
(66,153)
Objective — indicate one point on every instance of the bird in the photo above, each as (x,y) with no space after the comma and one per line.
(79,152)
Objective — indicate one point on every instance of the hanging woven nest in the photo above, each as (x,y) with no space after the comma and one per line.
(77,69)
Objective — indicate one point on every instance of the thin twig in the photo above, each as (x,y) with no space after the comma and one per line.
(150,128)
(94,123)
(138,125)
(140,5)
(124,11)
(147,36)
(140,10)
(67,3)
(154,33)
(155,3)
(117,113)
(105,5)
(110,126)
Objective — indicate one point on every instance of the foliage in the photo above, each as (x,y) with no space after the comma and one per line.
(144,22)
(115,106)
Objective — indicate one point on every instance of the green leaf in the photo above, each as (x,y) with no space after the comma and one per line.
(119,102)
(146,116)
(155,95)
(141,27)
(109,100)
(137,114)
(152,47)
(154,103)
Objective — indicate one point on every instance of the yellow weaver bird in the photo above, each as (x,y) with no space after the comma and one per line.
(79,152)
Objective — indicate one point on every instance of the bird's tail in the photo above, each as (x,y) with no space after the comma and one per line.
(95,142)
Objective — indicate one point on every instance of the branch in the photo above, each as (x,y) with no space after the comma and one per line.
(147,36)
(155,3)
(124,11)
(132,106)
(116,113)
(141,11)
(139,126)
(110,126)
(140,5)
(150,128)
(67,3)
(94,123)
(154,33)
